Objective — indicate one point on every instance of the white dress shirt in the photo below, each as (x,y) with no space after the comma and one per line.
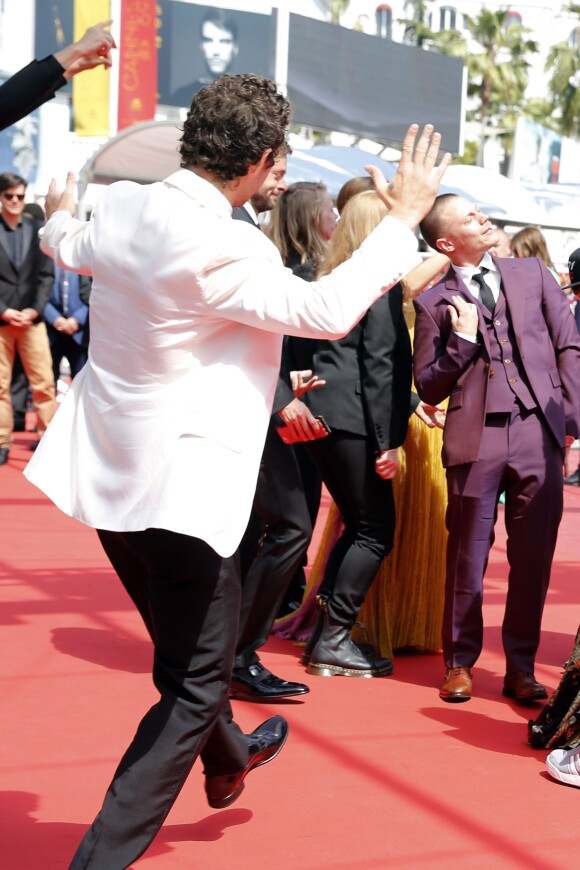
(165,425)
(492,278)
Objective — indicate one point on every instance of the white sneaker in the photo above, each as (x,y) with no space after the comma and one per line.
(564,765)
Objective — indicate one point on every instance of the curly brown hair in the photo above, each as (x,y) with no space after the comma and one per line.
(231,123)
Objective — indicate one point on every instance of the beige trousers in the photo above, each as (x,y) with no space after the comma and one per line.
(34,351)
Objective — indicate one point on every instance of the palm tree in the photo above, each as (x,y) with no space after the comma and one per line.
(498,75)
(335,9)
(564,88)
(417,28)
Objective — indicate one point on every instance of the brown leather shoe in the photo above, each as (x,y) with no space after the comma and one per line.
(457,686)
(523,687)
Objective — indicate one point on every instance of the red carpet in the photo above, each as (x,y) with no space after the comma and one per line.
(376,773)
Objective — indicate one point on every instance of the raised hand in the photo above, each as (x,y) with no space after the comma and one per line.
(412,191)
(61,200)
(91,50)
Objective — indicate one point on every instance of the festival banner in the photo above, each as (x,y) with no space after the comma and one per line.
(91,88)
(137,63)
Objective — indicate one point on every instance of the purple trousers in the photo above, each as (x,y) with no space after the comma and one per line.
(518,455)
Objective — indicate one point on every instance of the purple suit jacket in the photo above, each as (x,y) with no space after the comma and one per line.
(445,365)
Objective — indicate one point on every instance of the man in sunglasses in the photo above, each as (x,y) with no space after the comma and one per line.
(26,279)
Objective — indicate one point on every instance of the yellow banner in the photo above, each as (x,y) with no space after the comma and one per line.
(91,87)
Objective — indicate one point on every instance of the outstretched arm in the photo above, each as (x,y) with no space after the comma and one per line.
(91,50)
(38,82)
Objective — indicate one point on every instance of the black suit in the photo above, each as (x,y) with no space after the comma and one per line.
(366,403)
(279,531)
(28,284)
(26,280)
(29,88)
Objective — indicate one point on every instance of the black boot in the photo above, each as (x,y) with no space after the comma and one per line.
(335,654)
(313,639)
(322,600)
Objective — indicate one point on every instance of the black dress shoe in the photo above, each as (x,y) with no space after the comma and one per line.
(573,479)
(264,744)
(255,683)
(4,451)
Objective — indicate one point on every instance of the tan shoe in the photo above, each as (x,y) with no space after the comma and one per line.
(523,687)
(458,685)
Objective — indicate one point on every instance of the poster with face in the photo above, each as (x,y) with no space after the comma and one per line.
(197,44)
(338,79)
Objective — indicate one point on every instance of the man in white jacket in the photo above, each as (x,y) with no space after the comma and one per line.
(158,442)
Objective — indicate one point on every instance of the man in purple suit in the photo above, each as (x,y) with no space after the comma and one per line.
(498,338)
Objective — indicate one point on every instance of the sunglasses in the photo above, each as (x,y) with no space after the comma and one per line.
(18,196)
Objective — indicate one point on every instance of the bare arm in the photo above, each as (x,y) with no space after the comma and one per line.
(423,275)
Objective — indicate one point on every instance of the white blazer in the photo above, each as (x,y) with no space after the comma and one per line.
(165,425)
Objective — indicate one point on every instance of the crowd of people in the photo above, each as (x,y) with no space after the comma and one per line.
(348,360)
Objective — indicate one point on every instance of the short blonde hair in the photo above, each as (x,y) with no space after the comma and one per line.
(359,217)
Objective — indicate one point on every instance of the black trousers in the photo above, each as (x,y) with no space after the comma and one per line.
(346,463)
(18,393)
(61,345)
(281,505)
(188,597)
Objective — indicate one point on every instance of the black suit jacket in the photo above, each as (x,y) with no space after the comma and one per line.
(239,213)
(30,285)
(367,374)
(29,88)
(283,395)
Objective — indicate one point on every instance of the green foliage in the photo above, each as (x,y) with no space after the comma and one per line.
(417,30)
(563,62)
(496,54)
(335,9)
(469,156)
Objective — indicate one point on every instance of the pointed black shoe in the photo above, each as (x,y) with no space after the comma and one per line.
(255,683)
(264,744)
